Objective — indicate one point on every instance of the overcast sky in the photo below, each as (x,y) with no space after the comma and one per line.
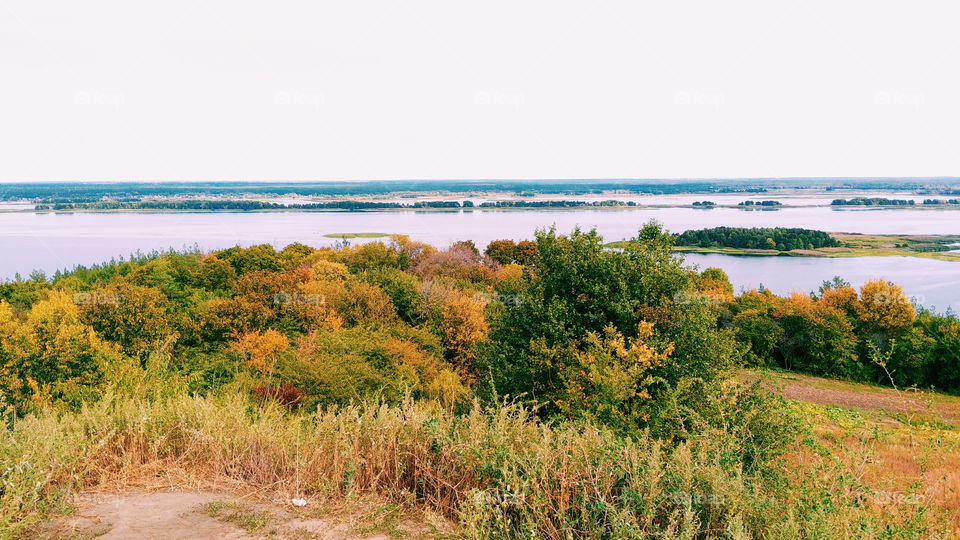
(313,90)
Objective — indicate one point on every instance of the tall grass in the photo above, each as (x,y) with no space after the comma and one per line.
(498,473)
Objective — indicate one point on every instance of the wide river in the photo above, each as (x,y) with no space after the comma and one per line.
(50,242)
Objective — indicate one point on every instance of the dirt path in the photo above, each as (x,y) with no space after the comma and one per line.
(921,405)
(200,515)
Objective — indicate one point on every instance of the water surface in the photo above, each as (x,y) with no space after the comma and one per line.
(49,242)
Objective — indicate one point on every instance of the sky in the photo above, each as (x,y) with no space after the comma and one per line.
(357,90)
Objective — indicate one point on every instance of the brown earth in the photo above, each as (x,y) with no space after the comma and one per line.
(909,403)
(171,515)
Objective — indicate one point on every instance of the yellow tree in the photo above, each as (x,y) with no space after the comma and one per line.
(49,354)
(324,270)
(608,380)
(462,325)
(713,284)
(261,349)
(424,372)
(883,306)
(842,298)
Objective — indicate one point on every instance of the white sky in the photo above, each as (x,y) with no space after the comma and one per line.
(320,90)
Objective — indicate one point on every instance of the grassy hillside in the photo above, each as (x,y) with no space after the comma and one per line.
(546,389)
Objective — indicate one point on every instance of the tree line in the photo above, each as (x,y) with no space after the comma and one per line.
(89,192)
(248,205)
(760,203)
(252,205)
(778,238)
(872,201)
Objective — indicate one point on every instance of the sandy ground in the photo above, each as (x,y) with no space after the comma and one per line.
(193,515)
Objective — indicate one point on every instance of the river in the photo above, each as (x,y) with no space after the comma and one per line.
(49,241)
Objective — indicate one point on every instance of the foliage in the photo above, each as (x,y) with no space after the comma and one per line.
(384,368)
(838,331)
(872,201)
(578,292)
(778,238)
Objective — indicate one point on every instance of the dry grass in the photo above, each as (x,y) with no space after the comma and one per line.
(902,446)
(495,473)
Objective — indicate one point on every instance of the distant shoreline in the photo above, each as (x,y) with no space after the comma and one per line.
(855,245)
(478,208)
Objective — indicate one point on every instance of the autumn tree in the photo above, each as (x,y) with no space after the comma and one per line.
(135,317)
(261,350)
(502,251)
(818,338)
(526,252)
(295,254)
(50,355)
(714,285)
(462,326)
(883,307)
(261,257)
(607,378)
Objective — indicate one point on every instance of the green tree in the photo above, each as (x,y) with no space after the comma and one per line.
(580,289)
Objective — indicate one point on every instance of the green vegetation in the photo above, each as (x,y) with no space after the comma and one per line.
(779,238)
(871,335)
(553,204)
(243,205)
(547,389)
(760,203)
(900,244)
(239,514)
(93,192)
(251,205)
(872,201)
(774,241)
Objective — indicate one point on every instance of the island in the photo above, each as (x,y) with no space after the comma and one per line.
(794,242)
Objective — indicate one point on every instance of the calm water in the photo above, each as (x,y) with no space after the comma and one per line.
(61,241)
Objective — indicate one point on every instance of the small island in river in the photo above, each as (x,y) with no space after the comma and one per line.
(809,243)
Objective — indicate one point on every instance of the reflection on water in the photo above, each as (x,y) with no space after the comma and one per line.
(61,241)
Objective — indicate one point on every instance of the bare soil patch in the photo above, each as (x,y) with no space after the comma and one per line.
(172,515)
(914,403)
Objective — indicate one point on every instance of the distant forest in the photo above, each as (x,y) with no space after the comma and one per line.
(760,203)
(88,192)
(248,205)
(779,238)
(243,205)
(872,201)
